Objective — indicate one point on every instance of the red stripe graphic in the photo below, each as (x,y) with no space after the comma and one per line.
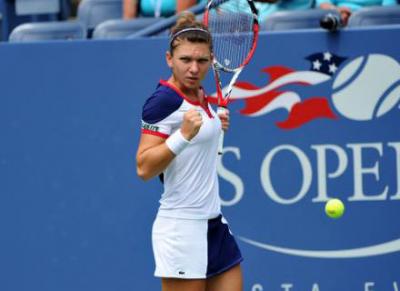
(306,111)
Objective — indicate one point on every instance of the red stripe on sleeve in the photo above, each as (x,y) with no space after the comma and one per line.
(156,133)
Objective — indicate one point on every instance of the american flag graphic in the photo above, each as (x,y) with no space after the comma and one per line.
(301,109)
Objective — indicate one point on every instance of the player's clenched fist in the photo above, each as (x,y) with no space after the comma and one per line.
(191,124)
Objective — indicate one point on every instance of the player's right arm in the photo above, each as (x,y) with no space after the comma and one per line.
(153,154)
(152,157)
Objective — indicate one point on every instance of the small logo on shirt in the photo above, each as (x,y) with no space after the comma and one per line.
(150,126)
(181,273)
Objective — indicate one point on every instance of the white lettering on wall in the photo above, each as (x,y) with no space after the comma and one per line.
(266,171)
(231,177)
(322,168)
(359,171)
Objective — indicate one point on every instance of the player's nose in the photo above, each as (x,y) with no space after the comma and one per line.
(194,67)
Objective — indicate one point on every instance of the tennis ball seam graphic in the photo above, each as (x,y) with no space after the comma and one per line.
(390,94)
(345,77)
(367,87)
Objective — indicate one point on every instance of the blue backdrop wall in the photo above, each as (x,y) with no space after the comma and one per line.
(314,116)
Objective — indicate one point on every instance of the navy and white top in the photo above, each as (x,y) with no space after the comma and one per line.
(190,180)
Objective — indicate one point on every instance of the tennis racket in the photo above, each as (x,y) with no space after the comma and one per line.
(234,28)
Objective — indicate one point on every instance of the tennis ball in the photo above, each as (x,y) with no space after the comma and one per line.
(334,208)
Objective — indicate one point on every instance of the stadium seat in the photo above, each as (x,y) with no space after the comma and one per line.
(16,12)
(299,19)
(375,16)
(9,18)
(29,7)
(93,12)
(48,31)
(119,28)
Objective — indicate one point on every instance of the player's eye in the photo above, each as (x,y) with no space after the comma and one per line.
(203,61)
(185,59)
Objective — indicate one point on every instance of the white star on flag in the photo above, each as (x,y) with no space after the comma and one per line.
(332,68)
(317,65)
(325,62)
(327,56)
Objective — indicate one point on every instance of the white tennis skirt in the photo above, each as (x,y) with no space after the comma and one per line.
(193,249)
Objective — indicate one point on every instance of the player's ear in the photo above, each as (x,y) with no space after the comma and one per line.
(168,58)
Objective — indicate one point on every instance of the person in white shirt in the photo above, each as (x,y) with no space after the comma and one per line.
(192,243)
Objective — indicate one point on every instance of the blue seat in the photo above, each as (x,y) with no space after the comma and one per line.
(9,18)
(65,30)
(380,15)
(296,19)
(29,7)
(16,12)
(93,12)
(119,28)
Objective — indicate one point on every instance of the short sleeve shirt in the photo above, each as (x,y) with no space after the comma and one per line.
(190,180)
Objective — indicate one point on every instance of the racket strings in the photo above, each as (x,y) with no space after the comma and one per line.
(232,28)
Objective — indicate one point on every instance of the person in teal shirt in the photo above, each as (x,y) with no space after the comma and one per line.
(346,7)
(148,8)
(267,7)
(156,8)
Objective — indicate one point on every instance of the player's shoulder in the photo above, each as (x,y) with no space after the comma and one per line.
(161,104)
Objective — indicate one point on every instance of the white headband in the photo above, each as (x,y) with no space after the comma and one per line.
(174,36)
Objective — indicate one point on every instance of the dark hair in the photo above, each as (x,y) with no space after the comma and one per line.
(188,28)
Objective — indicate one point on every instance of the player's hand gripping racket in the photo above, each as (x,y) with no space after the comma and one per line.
(234,29)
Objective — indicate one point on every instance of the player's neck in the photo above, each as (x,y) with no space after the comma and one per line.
(196,95)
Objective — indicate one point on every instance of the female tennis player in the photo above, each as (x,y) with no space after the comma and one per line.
(192,244)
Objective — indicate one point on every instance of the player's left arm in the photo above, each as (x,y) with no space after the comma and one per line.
(224,117)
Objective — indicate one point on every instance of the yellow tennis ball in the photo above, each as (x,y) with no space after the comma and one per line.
(334,208)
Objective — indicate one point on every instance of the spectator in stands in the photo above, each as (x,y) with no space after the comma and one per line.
(265,7)
(182,5)
(346,7)
(149,8)
(74,7)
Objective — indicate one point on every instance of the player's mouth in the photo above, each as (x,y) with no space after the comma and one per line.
(193,79)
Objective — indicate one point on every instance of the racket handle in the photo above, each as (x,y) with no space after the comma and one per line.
(221,136)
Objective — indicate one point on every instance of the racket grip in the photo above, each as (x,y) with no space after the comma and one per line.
(222,133)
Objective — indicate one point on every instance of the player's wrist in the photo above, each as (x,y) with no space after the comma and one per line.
(177,142)
(186,135)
